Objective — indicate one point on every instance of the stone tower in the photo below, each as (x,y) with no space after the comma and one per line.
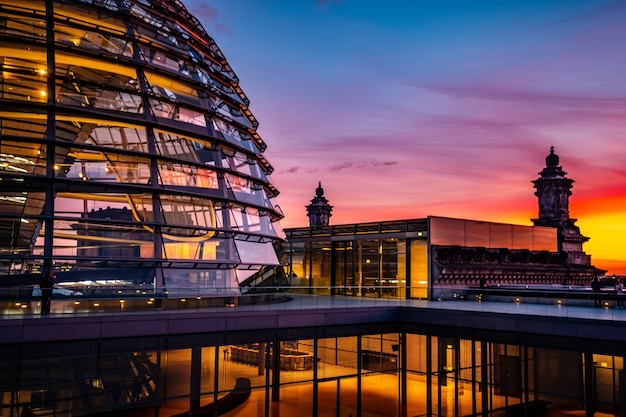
(553,190)
(319,211)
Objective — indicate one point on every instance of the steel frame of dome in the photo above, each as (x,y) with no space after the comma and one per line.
(127,149)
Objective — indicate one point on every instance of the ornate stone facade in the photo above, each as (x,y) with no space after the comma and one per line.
(553,191)
(461,266)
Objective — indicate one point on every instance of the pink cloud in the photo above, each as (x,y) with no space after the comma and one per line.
(204,11)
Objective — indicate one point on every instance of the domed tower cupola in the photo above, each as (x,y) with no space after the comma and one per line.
(319,211)
(553,189)
(552,160)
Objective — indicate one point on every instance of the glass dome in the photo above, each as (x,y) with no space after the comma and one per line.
(127,150)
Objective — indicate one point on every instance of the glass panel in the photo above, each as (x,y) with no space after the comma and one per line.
(500,235)
(256,253)
(182,148)
(247,361)
(380,388)
(118,137)
(476,233)
(344,269)
(522,239)
(369,267)
(208,370)
(298,262)
(187,176)
(205,251)
(86,164)
(245,165)
(319,274)
(24,80)
(444,231)
(177,374)
(233,135)
(172,89)
(196,283)
(416,374)
(447,232)
(545,238)
(23,27)
(83,87)
(90,16)
(465,377)
(247,191)
(229,112)
(248,220)
(91,40)
(419,269)
(179,211)
(393,268)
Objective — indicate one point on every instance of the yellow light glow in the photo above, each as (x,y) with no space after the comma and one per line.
(42,72)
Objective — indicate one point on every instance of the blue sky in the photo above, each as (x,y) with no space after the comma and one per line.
(404,109)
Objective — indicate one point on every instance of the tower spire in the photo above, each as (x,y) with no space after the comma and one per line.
(319,211)
(553,189)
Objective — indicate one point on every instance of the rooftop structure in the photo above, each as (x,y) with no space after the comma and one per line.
(553,191)
(319,210)
(127,149)
(438,257)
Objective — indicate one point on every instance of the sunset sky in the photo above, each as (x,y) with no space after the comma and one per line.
(404,109)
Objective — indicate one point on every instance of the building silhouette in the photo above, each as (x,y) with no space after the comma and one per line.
(319,211)
(553,190)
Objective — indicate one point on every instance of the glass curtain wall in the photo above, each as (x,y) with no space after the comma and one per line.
(381,373)
(127,150)
(345,276)
(368,267)
(419,268)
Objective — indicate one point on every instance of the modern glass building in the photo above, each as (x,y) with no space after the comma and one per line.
(127,150)
(432,257)
(440,257)
(359,357)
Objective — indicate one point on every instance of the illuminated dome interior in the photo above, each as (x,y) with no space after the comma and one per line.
(127,149)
